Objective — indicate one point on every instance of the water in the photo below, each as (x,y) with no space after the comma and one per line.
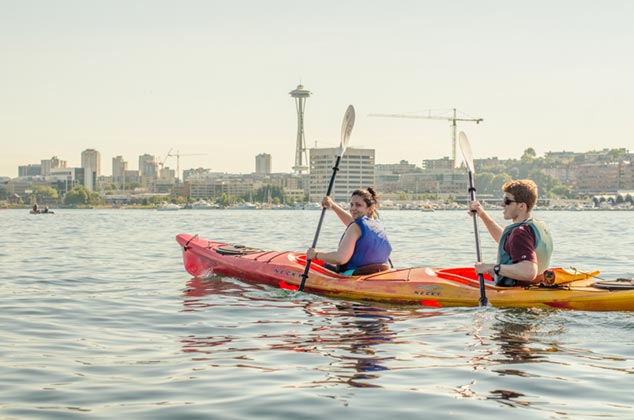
(99,320)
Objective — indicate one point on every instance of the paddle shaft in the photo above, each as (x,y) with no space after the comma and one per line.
(321,219)
(472,190)
(323,210)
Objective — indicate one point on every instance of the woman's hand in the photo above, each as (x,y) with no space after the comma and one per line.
(326,202)
(311,254)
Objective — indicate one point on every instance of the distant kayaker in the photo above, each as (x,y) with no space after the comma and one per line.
(35,208)
(525,246)
(364,247)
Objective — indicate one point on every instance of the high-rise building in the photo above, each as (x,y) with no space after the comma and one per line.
(32,169)
(300,94)
(148,166)
(148,169)
(48,164)
(356,171)
(91,162)
(438,164)
(263,164)
(91,158)
(119,167)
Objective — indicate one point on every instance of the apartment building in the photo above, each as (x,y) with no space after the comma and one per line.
(356,170)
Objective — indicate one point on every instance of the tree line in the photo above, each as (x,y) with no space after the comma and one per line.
(491,175)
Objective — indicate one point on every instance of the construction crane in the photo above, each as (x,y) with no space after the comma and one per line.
(162,162)
(178,160)
(453,119)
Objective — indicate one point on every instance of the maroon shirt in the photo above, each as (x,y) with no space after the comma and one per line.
(520,244)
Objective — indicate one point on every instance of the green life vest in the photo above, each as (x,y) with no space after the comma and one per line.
(543,249)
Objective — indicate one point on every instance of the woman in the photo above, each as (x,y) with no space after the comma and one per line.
(364,247)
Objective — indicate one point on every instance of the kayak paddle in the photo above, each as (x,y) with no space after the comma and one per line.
(346,129)
(465,147)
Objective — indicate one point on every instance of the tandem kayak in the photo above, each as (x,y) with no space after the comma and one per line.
(426,286)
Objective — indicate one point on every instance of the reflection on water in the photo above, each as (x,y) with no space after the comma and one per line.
(522,334)
(505,357)
(197,288)
(144,340)
(352,336)
(526,346)
(352,341)
(517,337)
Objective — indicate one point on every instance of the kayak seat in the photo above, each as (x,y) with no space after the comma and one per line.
(370,269)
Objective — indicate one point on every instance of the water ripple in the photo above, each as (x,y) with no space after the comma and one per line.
(100,320)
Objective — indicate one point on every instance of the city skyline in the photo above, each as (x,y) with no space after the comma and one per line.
(262,159)
(214,78)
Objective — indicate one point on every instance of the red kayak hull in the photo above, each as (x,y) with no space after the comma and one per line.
(426,286)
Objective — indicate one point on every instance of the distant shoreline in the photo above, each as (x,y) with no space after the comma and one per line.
(28,208)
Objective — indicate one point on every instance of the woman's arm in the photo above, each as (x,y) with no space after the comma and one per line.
(343,215)
(345,251)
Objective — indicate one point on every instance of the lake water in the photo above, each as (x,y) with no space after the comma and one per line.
(100,320)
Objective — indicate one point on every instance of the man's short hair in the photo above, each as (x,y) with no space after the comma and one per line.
(523,190)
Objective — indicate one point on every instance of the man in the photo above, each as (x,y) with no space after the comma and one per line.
(525,246)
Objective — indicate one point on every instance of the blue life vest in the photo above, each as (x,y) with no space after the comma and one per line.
(543,249)
(372,247)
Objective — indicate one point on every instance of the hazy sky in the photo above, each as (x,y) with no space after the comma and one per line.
(129,77)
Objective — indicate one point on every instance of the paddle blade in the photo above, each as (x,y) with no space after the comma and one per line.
(346,129)
(465,147)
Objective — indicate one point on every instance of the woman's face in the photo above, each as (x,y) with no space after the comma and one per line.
(358,207)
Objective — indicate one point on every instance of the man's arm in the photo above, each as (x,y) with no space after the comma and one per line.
(524,271)
(494,229)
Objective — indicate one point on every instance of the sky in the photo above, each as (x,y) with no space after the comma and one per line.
(211,79)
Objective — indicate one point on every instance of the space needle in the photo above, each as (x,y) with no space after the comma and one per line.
(301,160)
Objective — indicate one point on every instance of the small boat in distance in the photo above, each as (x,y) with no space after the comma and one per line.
(41,212)
(165,206)
(246,205)
(38,210)
(204,205)
(389,205)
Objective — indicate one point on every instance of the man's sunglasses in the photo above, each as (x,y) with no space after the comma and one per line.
(507,201)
